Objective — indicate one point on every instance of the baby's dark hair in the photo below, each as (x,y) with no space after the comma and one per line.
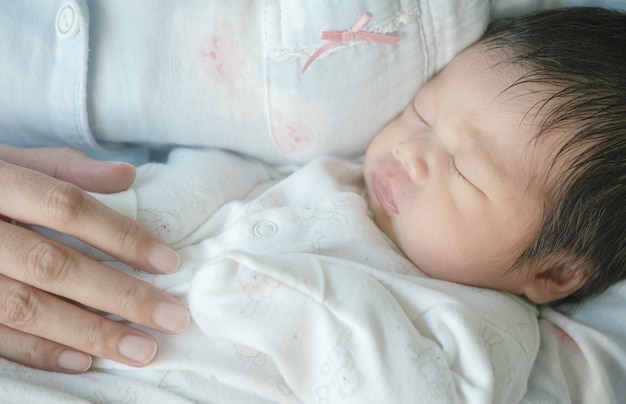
(580,53)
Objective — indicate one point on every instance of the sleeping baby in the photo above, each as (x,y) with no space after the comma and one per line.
(410,274)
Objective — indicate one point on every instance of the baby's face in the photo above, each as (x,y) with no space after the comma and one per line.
(455,180)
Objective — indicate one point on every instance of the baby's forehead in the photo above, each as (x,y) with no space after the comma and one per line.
(509,112)
(494,73)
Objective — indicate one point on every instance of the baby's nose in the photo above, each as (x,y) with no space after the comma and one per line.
(411,156)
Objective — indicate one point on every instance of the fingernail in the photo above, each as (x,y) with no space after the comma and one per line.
(137,348)
(163,259)
(171,317)
(74,361)
(120,163)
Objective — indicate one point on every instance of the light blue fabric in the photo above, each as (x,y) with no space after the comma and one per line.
(220,73)
(132,72)
(43,65)
(228,74)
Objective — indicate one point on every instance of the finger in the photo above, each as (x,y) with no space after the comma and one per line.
(31,197)
(40,314)
(40,353)
(62,271)
(72,166)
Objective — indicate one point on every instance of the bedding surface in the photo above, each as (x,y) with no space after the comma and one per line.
(582,356)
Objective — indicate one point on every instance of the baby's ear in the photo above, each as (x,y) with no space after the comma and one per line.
(556,277)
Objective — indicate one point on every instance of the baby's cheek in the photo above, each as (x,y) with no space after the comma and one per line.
(445,259)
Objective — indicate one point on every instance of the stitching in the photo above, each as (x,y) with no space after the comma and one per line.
(425,53)
(268,88)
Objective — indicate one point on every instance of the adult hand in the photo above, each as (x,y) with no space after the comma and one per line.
(48,290)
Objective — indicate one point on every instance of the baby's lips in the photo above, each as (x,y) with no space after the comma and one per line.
(383,194)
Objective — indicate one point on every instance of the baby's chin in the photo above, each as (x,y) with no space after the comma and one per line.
(386,227)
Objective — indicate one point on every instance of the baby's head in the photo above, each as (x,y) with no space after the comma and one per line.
(508,170)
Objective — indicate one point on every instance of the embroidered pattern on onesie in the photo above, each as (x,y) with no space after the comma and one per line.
(220,60)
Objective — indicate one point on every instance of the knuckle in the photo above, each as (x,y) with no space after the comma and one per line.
(127,298)
(127,237)
(91,337)
(67,152)
(64,203)
(48,264)
(134,302)
(18,306)
(37,353)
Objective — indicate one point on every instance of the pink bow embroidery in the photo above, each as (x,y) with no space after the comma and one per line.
(351,35)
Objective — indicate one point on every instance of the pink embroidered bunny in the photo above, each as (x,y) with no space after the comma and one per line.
(290,137)
(220,60)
